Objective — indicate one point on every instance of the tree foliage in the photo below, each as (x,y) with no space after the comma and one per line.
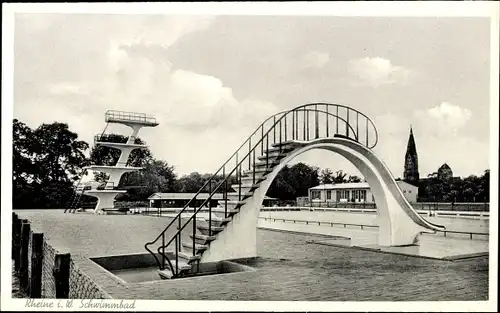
(46,162)
(156,176)
(49,159)
(295,181)
(193,182)
(455,189)
(353,179)
(326,176)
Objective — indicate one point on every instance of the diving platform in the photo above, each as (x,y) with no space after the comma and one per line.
(106,191)
(121,117)
(105,199)
(103,140)
(113,169)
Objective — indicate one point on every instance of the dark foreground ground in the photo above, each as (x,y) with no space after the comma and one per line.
(287,269)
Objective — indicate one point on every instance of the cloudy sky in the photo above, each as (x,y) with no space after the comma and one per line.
(210,80)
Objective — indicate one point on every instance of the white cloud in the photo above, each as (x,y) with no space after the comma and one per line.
(377,71)
(162,30)
(65,88)
(194,110)
(436,142)
(443,119)
(450,114)
(315,59)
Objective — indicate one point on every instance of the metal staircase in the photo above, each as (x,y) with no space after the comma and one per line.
(76,197)
(179,248)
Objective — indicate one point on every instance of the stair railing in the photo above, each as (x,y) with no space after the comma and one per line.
(75,188)
(251,154)
(177,236)
(178,216)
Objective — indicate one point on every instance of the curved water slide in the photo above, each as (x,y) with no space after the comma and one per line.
(230,232)
(372,166)
(391,184)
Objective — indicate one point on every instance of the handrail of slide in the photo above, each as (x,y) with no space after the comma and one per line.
(303,110)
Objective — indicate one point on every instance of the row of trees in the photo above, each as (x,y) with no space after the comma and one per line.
(455,189)
(48,161)
(327,176)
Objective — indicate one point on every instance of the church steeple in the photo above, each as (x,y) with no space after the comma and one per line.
(411,174)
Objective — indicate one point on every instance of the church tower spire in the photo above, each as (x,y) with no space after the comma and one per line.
(411,174)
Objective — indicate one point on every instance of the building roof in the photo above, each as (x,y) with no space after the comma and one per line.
(361,185)
(188,196)
(445,166)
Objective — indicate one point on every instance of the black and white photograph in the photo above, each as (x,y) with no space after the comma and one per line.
(250,156)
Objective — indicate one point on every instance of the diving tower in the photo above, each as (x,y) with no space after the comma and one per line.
(107,191)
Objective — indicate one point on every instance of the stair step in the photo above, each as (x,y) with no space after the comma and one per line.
(290,143)
(233,196)
(272,157)
(199,247)
(231,203)
(230,211)
(248,185)
(270,163)
(230,207)
(259,170)
(249,180)
(213,228)
(189,256)
(204,238)
(167,273)
(276,148)
(221,220)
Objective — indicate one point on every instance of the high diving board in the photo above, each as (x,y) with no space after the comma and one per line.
(113,116)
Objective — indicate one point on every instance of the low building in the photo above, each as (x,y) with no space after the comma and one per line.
(180,199)
(355,192)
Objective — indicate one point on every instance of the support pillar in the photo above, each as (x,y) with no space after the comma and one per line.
(15,220)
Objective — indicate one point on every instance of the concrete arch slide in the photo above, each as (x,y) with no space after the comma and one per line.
(399,223)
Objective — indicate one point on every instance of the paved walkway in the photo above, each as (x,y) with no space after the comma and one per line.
(95,235)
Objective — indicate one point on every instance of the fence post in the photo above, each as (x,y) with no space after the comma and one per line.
(36,265)
(61,275)
(23,262)
(15,219)
(17,244)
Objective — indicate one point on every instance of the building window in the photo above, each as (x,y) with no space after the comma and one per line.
(358,195)
(355,195)
(315,194)
(362,195)
(342,195)
(329,194)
